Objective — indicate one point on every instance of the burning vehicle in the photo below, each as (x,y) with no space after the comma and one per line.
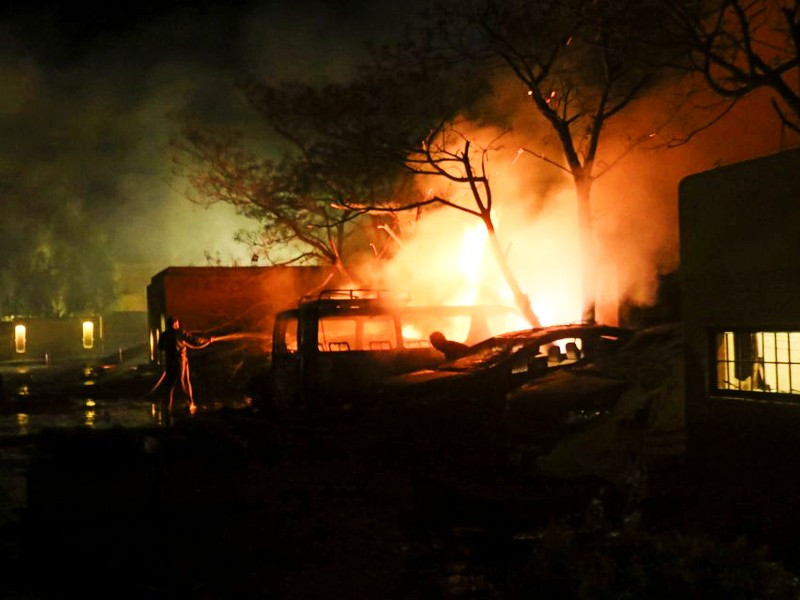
(607,416)
(498,365)
(523,421)
(331,351)
(454,411)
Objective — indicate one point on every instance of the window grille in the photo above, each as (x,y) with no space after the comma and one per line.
(758,362)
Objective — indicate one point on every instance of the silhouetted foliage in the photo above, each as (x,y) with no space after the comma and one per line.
(343,149)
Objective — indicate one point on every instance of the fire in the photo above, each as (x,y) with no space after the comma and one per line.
(413,336)
(449,259)
(470,258)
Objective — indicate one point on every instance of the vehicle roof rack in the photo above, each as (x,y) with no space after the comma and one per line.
(358,294)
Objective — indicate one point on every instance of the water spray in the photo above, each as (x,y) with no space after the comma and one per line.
(207,342)
(237,336)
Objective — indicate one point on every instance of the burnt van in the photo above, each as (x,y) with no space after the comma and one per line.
(335,346)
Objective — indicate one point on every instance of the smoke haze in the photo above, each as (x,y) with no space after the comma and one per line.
(634,207)
(86,94)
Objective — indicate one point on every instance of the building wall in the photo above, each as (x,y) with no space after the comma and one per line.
(223,300)
(740,269)
(48,339)
(740,248)
(124,330)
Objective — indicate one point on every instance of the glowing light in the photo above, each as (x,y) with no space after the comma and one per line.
(446,258)
(22,423)
(763,361)
(473,248)
(20,339)
(412,334)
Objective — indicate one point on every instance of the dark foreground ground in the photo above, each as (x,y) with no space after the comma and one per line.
(232,504)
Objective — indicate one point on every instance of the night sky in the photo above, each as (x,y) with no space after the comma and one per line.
(86,94)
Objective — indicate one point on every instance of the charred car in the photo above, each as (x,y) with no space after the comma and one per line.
(526,408)
(330,352)
(608,416)
(499,364)
(464,399)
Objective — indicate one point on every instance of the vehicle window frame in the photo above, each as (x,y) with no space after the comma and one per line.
(279,341)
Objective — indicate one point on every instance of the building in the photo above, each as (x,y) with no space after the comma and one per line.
(740,276)
(46,339)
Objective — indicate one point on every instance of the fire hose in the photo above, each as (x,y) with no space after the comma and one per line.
(184,364)
(211,340)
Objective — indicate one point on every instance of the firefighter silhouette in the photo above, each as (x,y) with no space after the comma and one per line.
(174,343)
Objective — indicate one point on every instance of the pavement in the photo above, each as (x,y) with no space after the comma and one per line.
(230,503)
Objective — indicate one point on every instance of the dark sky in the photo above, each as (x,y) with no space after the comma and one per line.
(86,90)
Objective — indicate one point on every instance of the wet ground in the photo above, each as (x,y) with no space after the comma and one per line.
(100,498)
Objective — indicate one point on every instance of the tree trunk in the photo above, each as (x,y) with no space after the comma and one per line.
(583,188)
(520,299)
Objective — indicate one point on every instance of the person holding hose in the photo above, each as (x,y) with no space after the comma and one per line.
(173,343)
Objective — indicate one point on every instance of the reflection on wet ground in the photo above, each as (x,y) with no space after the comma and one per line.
(39,397)
(97,414)
(226,504)
(24,420)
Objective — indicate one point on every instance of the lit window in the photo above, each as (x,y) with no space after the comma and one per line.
(362,332)
(20,339)
(88,334)
(758,362)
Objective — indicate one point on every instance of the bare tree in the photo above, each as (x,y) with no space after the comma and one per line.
(375,128)
(447,153)
(327,148)
(298,222)
(740,46)
(581,63)
(340,156)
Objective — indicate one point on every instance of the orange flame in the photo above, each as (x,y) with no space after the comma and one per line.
(446,256)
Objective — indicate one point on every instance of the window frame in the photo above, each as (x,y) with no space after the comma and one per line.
(777,366)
